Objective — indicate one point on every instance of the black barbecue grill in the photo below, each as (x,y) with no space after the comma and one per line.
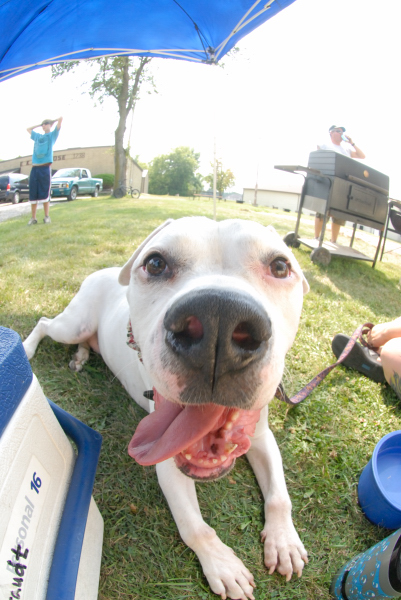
(345,189)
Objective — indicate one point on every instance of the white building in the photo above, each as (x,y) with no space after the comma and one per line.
(285,197)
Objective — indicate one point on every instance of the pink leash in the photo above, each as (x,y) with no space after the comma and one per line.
(304,393)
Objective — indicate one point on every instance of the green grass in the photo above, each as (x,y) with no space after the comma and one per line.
(325,442)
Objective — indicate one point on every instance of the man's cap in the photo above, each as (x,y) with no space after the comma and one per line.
(47,122)
(336,127)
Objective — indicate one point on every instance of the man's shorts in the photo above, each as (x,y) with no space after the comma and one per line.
(336,221)
(39,184)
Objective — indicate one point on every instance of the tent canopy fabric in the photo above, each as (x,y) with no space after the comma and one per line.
(38,33)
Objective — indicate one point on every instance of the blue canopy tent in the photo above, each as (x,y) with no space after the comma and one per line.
(39,33)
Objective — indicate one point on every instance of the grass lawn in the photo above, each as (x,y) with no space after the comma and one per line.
(325,442)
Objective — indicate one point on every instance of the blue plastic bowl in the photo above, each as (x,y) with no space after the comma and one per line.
(379,488)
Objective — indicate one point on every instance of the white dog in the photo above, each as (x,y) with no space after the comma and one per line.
(212,309)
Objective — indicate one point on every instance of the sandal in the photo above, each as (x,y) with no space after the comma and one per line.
(361,359)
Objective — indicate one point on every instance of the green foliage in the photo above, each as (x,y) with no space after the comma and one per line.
(197,184)
(118,72)
(224,179)
(108,180)
(118,77)
(325,442)
(175,173)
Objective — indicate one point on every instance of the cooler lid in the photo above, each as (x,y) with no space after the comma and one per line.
(15,374)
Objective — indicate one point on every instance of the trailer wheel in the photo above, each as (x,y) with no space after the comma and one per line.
(291,240)
(321,256)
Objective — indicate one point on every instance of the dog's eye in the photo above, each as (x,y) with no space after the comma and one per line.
(155,265)
(280,268)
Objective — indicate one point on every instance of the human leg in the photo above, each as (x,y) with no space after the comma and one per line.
(391,361)
(34,206)
(335,230)
(318,227)
(33,195)
(44,183)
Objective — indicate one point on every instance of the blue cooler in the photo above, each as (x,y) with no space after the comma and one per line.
(51,531)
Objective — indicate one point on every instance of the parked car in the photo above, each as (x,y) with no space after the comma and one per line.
(14,187)
(74,181)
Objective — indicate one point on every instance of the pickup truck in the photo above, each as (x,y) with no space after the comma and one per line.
(74,181)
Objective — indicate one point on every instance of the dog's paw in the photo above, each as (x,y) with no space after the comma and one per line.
(283,550)
(79,358)
(227,575)
(75,366)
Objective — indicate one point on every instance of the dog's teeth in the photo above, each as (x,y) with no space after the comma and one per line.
(200,461)
(215,461)
(188,456)
(230,423)
(230,448)
(223,458)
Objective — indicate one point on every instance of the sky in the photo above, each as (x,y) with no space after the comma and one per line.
(318,63)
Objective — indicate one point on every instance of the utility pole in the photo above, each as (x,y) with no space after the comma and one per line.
(214,181)
(255,198)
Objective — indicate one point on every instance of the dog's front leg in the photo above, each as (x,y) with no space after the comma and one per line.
(283,550)
(226,574)
(36,335)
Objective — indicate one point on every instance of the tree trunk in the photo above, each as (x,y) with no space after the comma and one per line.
(120,159)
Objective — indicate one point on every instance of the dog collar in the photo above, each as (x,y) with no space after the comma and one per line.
(131,341)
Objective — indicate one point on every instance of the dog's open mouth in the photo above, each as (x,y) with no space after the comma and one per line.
(204,440)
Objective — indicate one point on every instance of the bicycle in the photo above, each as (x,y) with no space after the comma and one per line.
(124,190)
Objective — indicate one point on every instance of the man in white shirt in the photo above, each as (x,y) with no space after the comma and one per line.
(336,137)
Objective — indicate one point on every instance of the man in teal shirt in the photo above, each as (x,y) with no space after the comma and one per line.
(42,158)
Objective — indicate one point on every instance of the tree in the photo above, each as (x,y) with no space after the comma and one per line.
(121,78)
(174,173)
(224,179)
(198,183)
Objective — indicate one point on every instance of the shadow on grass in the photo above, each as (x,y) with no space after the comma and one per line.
(373,288)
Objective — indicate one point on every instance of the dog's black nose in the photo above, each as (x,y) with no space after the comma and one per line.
(217,331)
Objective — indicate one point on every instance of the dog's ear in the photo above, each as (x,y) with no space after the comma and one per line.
(125,273)
(271,229)
(305,284)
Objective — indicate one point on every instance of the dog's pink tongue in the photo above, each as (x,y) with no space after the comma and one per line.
(170,429)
